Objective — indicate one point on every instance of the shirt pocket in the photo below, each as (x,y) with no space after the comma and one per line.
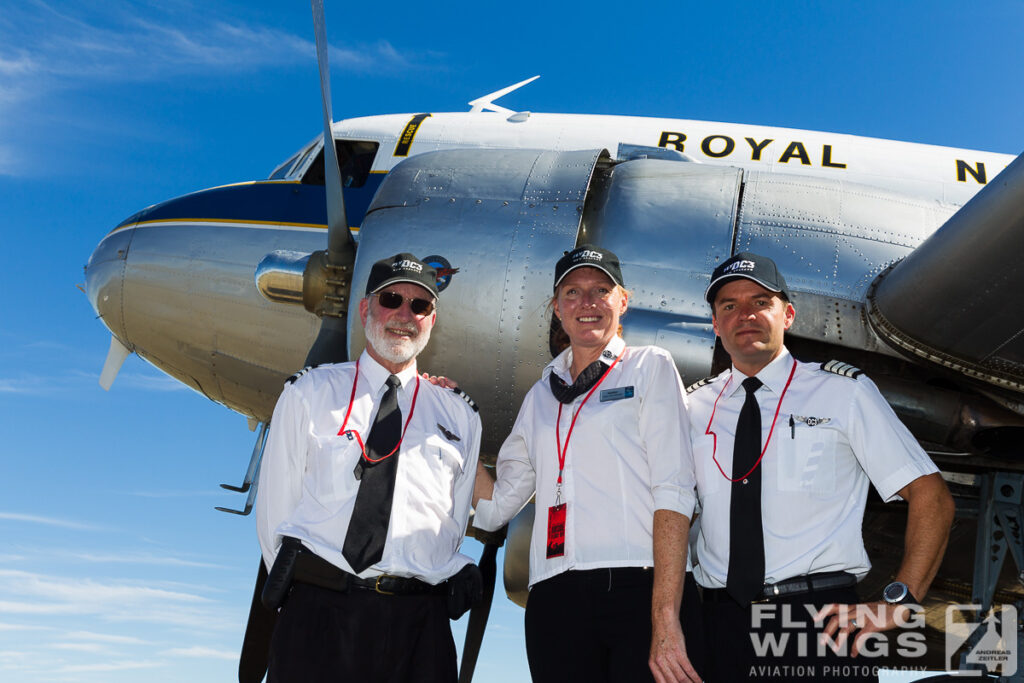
(709,477)
(333,478)
(437,472)
(806,459)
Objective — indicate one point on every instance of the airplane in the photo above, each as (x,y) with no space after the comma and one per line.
(902,258)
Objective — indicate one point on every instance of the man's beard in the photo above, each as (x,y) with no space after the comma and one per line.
(398,350)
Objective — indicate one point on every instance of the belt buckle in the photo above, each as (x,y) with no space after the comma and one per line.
(377,588)
(774,588)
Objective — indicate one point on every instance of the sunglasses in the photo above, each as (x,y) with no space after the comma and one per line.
(394,300)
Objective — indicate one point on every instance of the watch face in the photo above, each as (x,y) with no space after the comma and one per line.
(895,592)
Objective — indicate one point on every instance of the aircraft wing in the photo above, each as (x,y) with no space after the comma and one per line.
(953,300)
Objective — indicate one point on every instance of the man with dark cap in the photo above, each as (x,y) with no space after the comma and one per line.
(784,452)
(364,497)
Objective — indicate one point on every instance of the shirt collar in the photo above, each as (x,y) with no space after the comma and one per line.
(563,362)
(773,376)
(375,374)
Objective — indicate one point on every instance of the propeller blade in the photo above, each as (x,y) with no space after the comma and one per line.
(252,665)
(338,236)
(478,615)
(115,359)
(332,341)
(331,345)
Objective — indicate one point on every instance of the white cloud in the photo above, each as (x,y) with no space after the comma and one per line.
(37,385)
(95,648)
(113,601)
(23,627)
(160,382)
(45,51)
(88,592)
(144,559)
(75,380)
(123,665)
(202,493)
(48,521)
(200,652)
(105,638)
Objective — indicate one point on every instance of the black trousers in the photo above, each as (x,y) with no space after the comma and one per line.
(592,625)
(692,618)
(323,635)
(777,641)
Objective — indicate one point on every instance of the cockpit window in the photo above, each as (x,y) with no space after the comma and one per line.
(355,157)
(281,171)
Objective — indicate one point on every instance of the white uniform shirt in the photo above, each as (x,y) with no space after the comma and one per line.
(814,474)
(627,458)
(307,488)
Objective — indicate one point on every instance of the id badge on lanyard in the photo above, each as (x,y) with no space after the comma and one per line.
(557,512)
(556,531)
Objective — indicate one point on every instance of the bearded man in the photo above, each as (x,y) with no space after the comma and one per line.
(364,497)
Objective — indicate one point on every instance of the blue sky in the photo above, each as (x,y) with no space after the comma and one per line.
(113,564)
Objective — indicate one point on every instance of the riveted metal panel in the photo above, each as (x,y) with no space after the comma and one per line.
(670,223)
(501,219)
(831,239)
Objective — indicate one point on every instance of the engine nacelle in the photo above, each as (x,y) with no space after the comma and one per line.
(496,221)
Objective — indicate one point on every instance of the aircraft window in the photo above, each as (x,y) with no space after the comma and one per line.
(282,170)
(355,157)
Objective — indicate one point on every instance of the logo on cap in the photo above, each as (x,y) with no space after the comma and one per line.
(407,265)
(589,254)
(739,265)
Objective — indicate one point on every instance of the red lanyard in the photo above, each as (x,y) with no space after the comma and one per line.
(714,448)
(351,398)
(558,437)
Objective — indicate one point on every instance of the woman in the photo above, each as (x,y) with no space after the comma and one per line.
(602,439)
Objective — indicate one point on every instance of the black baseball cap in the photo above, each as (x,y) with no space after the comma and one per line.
(760,269)
(402,267)
(589,256)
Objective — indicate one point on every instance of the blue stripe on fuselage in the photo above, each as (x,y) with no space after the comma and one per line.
(263,202)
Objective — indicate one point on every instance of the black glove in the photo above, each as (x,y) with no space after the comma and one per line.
(465,590)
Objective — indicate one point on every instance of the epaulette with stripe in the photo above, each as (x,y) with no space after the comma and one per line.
(843,369)
(699,383)
(465,397)
(300,373)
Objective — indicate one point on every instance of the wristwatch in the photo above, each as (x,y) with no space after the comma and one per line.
(897,593)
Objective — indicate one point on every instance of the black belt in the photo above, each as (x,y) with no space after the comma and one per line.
(312,569)
(605,578)
(808,583)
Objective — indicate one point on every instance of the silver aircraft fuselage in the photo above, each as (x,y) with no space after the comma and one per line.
(175,282)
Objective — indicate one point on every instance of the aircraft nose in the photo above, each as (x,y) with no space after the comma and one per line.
(104,280)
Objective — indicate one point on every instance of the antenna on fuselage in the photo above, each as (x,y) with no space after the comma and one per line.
(486,103)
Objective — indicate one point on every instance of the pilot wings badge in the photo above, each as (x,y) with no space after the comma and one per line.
(812,421)
(448,434)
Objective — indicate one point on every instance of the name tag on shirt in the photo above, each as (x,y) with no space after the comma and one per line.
(616,394)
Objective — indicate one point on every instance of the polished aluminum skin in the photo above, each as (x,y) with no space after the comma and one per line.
(181,295)
(185,294)
(966,280)
(219,305)
(502,219)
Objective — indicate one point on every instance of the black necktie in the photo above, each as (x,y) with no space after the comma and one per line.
(368,528)
(746,536)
